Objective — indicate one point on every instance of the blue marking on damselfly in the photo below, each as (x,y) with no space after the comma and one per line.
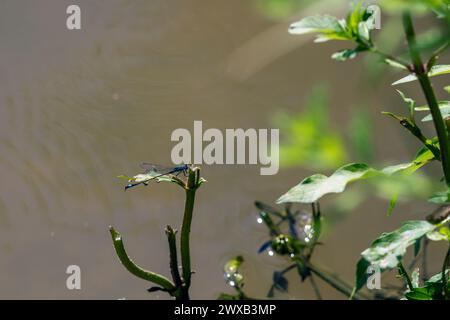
(158,172)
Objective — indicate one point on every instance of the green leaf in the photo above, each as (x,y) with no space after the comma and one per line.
(437,278)
(325,24)
(392,203)
(395,64)
(440,197)
(447,88)
(442,105)
(445,112)
(346,54)
(361,275)
(410,102)
(418,294)
(436,236)
(432,290)
(316,186)
(434,71)
(388,250)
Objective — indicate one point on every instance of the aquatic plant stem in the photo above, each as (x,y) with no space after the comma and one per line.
(191,188)
(422,75)
(445,265)
(171,238)
(402,272)
(134,269)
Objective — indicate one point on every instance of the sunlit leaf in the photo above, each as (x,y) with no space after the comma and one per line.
(314,187)
(432,289)
(388,250)
(434,71)
(447,88)
(320,23)
(436,236)
(443,104)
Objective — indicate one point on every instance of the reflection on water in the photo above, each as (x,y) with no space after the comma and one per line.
(79,108)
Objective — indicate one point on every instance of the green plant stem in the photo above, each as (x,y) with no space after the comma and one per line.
(134,268)
(190,188)
(385,56)
(332,280)
(171,238)
(445,265)
(405,276)
(315,287)
(422,76)
(425,259)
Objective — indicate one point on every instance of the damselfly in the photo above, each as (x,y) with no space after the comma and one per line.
(153,171)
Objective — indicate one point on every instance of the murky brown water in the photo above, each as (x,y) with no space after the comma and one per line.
(78,108)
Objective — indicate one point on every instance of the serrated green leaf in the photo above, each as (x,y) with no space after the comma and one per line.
(434,71)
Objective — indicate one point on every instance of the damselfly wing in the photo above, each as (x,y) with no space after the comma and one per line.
(154,171)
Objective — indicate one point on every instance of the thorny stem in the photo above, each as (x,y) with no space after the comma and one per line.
(422,76)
